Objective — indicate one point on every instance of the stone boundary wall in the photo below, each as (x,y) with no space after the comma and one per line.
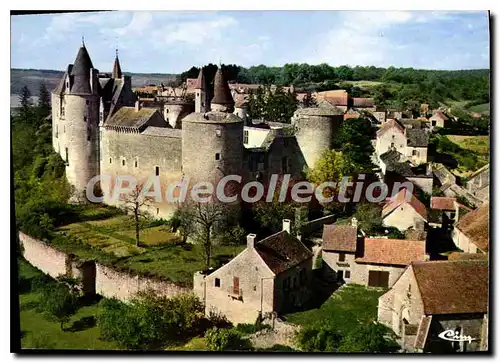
(43,256)
(106,281)
(123,285)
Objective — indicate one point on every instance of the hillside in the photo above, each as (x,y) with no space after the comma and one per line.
(32,78)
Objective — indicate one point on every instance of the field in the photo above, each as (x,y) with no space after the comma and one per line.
(111,241)
(39,332)
(344,310)
(364,84)
(482,108)
(477,144)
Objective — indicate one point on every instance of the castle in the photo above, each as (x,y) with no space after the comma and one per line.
(100,128)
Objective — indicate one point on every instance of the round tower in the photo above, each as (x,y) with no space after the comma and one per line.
(79,117)
(212,142)
(315,129)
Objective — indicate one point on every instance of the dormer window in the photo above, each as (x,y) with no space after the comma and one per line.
(218,132)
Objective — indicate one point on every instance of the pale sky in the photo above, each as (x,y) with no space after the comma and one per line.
(172,41)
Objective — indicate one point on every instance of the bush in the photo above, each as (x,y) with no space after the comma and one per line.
(58,303)
(372,338)
(318,340)
(41,282)
(225,339)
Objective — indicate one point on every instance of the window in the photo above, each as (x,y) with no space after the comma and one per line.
(433,122)
(62,111)
(64,129)
(101,115)
(157,210)
(217,282)
(393,136)
(245,137)
(218,132)
(157,170)
(217,156)
(167,110)
(87,102)
(136,163)
(123,162)
(89,133)
(85,118)
(378,278)
(347,274)
(236,285)
(57,130)
(110,160)
(67,157)
(254,288)
(341,257)
(392,144)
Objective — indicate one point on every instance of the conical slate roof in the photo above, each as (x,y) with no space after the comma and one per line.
(81,72)
(117,70)
(200,82)
(222,94)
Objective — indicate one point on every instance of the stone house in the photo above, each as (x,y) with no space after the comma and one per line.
(432,297)
(381,261)
(479,183)
(403,211)
(448,207)
(417,141)
(471,233)
(339,250)
(438,119)
(269,276)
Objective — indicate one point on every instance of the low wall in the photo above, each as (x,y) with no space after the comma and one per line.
(123,285)
(97,278)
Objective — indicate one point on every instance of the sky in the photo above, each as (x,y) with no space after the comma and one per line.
(173,41)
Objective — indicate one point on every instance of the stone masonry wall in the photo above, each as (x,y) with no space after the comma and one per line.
(107,281)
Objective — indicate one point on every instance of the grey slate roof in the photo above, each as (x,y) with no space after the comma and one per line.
(129,117)
(214,117)
(410,123)
(162,131)
(80,73)
(222,94)
(417,137)
(319,111)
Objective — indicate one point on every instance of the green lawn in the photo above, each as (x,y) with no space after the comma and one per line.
(481,108)
(477,144)
(39,332)
(344,310)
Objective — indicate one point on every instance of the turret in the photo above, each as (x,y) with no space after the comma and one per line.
(222,100)
(202,102)
(76,121)
(117,70)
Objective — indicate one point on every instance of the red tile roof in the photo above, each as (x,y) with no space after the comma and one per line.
(392,251)
(402,197)
(475,226)
(441,115)
(443,203)
(339,238)
(452,287)
(362,102)
(388,125)
(282,251)
(191,82)
(467,256)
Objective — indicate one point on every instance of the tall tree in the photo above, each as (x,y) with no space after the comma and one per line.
(43,100)
(136,203)
(25,101)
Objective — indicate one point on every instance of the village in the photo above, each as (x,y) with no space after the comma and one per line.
(417,259)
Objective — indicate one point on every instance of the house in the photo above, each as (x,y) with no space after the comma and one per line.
(403,211)
(471,233)
(390,136)
(376,262)
(269,276)
(416,145)
(338,250)
(438,119)
(448,207)
(397,168)
(432,297)
(410,123)
(364,103)
(479,183)
(382,260)
(352,113)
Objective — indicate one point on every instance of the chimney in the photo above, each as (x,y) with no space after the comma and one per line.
(137,106)
(251,240)
(354,222)
(286,225)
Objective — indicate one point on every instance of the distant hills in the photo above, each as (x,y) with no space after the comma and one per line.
(32,78)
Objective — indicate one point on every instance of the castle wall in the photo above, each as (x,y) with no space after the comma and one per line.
(43,256)
(138,155)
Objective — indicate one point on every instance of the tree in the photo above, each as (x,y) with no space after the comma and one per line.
(369,216)
(354,141)
(330,167)
(43,101)
(26,104)
(59,303)
(225,339)
(372,338)
(181,221)
(205,216)
(135,203)
(309,100)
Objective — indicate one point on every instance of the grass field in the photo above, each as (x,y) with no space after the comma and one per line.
(364,84)
(39,332)
(111,241)
(478,144)
(344,310)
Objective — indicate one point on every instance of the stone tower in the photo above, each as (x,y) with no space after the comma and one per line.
(75,115)
(212,142)
(202,101)
(315,129)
